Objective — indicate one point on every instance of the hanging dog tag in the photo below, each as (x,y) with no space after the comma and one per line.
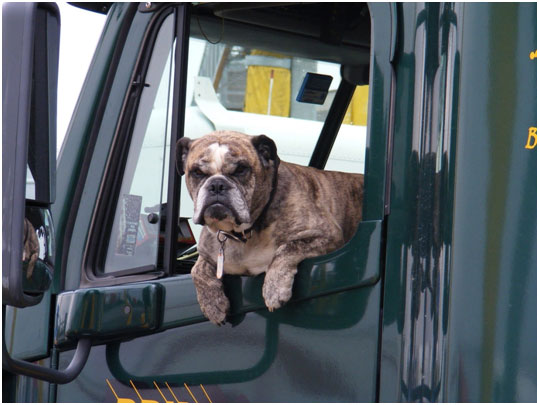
(221,237)
(220,262)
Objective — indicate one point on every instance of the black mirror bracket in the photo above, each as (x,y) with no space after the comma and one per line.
(44,373)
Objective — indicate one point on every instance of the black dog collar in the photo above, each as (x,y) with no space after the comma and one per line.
(243,237)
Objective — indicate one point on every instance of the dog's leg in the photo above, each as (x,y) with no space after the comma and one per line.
(210,292)
(277,288)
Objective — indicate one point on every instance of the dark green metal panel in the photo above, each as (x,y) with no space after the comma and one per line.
(380,110)
(355,265)
(334,301)
(93,126)
(108,312)
(20,321)
(460,282)
(493,320)
(73,149)
(263,358)
(459,288)
(21,389)
(419,227)
(105,132)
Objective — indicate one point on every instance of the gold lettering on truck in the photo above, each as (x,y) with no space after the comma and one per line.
(532,138)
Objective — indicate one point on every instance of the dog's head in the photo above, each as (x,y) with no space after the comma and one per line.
(229,176)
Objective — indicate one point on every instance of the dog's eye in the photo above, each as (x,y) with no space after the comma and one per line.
(241,170)
(197,172)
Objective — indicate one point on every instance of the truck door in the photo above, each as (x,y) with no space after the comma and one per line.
(126,242)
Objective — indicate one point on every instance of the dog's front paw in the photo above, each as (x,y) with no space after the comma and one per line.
(210,294)
(276,292)
(215,310)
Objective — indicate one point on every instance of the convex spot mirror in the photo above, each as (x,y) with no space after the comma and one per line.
(30,50)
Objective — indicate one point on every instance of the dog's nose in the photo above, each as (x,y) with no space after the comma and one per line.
(218,187)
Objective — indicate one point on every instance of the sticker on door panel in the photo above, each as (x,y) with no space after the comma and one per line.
(129,222)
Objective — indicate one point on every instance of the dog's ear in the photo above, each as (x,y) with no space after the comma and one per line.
(266,149)
(182,149)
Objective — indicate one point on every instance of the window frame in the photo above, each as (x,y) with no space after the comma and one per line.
(105,207)
(109,193)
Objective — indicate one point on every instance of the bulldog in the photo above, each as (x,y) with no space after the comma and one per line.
(260,215)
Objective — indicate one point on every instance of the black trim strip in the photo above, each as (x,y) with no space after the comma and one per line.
(387,192)
(178,124)
(92,139)
(389,152)
(333,122)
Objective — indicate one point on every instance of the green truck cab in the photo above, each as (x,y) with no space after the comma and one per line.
(433,299)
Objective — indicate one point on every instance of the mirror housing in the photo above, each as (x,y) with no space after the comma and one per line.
(30,53)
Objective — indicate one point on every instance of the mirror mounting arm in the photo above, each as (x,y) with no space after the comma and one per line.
(44,373)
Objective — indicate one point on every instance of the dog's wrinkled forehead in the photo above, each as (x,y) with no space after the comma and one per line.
(219,153)
(213,158)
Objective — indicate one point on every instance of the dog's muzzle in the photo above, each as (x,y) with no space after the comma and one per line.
(218,187)
(218,199)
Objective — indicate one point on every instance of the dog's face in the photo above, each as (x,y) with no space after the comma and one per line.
(229,176)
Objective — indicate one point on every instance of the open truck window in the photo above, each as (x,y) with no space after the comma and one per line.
(236,82)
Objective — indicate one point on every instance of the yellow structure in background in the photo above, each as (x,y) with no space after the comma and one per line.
(356,114)
(271,86)
(262,79)
(257,92)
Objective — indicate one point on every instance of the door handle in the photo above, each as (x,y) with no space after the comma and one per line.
(209,377)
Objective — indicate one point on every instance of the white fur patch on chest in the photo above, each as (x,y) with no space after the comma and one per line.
(255,258)
(257,261)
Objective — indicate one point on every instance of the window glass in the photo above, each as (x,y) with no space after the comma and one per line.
(134,239)
(253,91)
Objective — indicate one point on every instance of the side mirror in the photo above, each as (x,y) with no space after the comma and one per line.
(30,53)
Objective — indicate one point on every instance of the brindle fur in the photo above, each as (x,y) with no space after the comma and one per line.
(312,212)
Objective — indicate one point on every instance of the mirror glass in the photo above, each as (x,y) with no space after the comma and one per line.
(38,250)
